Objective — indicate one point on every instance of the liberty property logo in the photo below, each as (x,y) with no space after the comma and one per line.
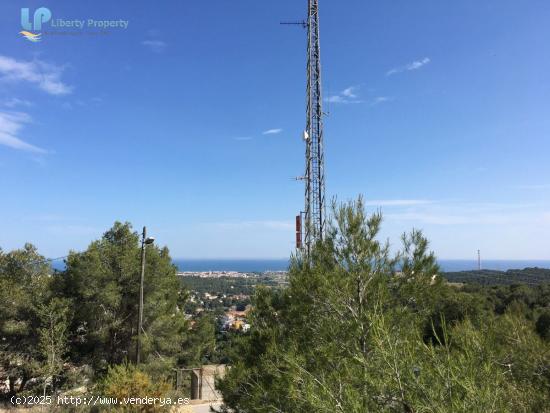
(41,15)
(33,24)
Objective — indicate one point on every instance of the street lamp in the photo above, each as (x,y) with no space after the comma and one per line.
(144,242)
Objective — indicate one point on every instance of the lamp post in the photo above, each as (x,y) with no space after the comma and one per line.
(144,242)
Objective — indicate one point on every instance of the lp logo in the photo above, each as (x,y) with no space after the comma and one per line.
(41,15)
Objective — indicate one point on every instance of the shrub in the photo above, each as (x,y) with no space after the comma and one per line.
(126,380)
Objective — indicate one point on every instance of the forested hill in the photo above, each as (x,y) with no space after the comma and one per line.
(532,276)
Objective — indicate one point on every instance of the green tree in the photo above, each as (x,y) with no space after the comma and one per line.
(347,335)
(103,285)
(199,348)
(543,324)
(24,286)
(53,335)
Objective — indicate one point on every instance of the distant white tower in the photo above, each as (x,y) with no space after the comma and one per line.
(478,260)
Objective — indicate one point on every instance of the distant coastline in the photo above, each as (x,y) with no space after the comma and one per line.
(258,265)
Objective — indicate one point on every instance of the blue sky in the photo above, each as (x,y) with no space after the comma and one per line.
(189,122)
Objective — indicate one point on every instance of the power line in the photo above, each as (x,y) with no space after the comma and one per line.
(61,258)
(45,260)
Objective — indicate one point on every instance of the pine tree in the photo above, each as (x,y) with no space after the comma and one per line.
(103,285)
(24,286)
(53,336)
(349,335)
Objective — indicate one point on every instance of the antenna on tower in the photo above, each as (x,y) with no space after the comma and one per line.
(315,161)
(302,23)
(312,225)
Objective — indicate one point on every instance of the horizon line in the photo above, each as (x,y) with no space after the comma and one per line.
(279,258)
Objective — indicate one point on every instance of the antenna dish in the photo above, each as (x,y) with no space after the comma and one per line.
(306,135)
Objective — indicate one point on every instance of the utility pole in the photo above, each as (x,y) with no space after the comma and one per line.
(144,242)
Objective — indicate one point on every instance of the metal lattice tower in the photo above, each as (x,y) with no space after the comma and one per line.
(314,225)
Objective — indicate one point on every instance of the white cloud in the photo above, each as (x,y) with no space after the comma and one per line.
(74,230)
(534,187)
(417,64)
(45,75)
(349,92)
(269,224)
(13,102)
(429,218)
(396,202)
(156,46)
(460,213)
(272,132)
(335,99)
(348,95)
(10,125)
(381,99)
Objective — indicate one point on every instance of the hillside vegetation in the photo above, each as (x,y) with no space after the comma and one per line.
(530,276)
(351,334)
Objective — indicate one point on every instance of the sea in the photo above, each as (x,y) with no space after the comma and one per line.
(266,265)
(263,265)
